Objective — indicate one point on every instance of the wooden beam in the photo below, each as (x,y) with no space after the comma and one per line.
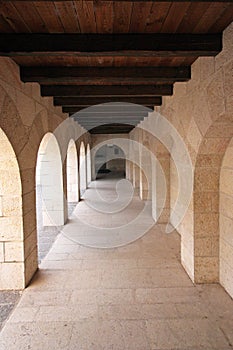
(77,101)
(111,129)
(75,109)
(104,75)
(104,124)
(108,120)
(91,116)
(105,121)
(213,1)
(159,45)
(106,91)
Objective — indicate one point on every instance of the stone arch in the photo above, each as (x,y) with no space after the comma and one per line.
(145,172)
(135,165)
(226,221)
(88,164)
(72,173)
(206,200)
(49,181)
(82,169)
(12,254)
(111,156)
(23,140)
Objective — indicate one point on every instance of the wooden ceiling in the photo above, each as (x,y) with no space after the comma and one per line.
(91,52)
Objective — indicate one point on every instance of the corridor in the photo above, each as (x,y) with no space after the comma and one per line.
(135,296)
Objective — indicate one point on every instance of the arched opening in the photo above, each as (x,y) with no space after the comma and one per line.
(145,174)
(82,169)
(49,193)
(226,221)
(72,174)
(110,158)
(208,175)
(12,254)
(88,164)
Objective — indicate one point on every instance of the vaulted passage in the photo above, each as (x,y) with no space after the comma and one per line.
(110,214)
(116,168)
(137,296)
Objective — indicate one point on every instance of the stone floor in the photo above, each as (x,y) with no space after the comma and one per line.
(133,297)
(8,300)
(46,238)
(47,235)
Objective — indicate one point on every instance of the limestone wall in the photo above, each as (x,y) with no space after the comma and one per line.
(226,221)
(153,179)
(25,117)
(201,110)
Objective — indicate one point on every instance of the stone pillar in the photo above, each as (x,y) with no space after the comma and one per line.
(136,177)
(206,224)
(127,169)
(145,174)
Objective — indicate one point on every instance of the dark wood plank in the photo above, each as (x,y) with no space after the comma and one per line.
(90,120)
(192,17)
(84,61)
(224,20)
(209,17)
(86,16)
(47,12)
(89,116)
(174,17)
(106,125)
(107,109)
(67,14)
(114,90)
(12,17)
(30,16)
(139,17)
(104,16)
(104,75)
(157,16)
(90,101)
(213,1)
(99,81)
(110,45)
(122,16)
(5,26)
(111,129)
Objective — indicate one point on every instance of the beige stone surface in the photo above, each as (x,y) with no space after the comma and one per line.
(1,252)
(13,251)
(31,117)
(226,221)
(12,275)
(133,297)
(200,111)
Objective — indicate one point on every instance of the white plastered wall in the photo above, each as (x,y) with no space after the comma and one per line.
(49,178)
(72,173)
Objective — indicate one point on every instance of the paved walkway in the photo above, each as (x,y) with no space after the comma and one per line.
(133,297)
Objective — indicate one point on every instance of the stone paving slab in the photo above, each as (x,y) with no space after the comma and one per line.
(8,300)
(132,297)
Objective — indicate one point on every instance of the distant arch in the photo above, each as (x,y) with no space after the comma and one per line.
(88,164)
(72,173)
(82,169)
(109,158)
